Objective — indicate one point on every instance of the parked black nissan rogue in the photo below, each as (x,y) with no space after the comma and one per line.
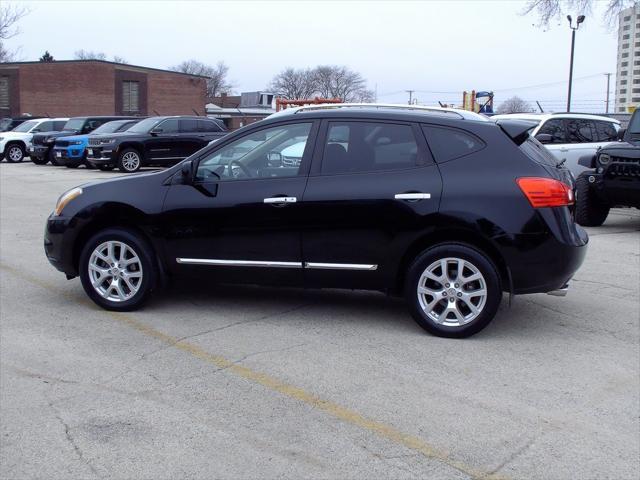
(440,206)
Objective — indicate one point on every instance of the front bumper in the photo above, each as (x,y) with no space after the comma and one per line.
(70,155)
(97,156)
(618,187)
(39,151)
(56,236)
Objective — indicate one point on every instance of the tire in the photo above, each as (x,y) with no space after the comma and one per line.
(590,210)
(129,160)
(437,314)
(14,153)
(105,168)
(72,165)
(39,161)
(142,272)
(52,158)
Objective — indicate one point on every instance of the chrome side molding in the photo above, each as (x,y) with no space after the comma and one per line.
(237,263)
(214,262)
(280,200)
(339,266)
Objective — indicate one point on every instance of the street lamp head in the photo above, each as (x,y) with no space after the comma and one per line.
(580,19)
(569,18)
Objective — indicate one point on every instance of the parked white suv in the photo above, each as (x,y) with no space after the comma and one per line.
(569,136)
(15,143)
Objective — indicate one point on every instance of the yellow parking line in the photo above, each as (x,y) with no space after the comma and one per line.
(383,430)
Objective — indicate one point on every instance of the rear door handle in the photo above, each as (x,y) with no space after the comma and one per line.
(280,200)
(412,196)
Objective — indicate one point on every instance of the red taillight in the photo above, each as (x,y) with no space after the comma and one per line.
(546,192)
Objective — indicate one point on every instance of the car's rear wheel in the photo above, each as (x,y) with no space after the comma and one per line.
(129,160)
(14,153)
(118,269)
(590,210)
(453,290)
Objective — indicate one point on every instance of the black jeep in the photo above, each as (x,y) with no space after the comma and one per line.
(614,180)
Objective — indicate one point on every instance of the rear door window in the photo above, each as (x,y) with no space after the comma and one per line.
(450,143)
(59,125)
(188,125)
(208,126)
(606,131)
(555,128)
(581,131)
(352,147)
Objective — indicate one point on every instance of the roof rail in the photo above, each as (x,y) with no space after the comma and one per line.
(463,114)
(602,114)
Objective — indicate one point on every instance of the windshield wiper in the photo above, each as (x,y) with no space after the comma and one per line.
(561,163)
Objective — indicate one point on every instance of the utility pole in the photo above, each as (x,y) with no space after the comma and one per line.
(608,79)
(410,92)
(573,44)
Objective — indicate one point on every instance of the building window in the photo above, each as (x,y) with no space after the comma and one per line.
(625,37)
(636,72)
(637,44)
(624,73)
(621,109)
(625,46)
(130,96)
(623,91)
(625,55)
(624,64)
(635,90)
(627,18)
(636,81)
(626,27)
(635,99)
(623,82)
(4,92)
(636,62)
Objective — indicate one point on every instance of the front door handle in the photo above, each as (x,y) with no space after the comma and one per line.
(412,196)
(277,201)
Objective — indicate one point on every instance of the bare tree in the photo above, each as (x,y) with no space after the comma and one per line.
(515,105)
(89,55)
(294,83)
(217,75)
(547,10)
(119,59)
(47,57)
(326,81)
(9,16)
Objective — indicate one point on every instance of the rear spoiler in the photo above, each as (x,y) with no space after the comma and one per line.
(517,130)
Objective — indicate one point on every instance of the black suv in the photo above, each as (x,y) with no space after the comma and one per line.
(443,207)
(614,180)
(41,151)
(162,141)
(9,123)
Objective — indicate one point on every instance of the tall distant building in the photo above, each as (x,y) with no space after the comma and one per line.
(628,70)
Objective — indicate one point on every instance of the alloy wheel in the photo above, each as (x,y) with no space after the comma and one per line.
(452,292)
(15,154)
(131,161)
(115,271)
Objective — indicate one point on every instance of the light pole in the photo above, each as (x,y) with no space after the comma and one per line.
(573,43)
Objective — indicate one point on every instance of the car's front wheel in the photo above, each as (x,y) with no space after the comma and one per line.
(104,168)
(14,153)
(129,160)
(453,290)
(118,269)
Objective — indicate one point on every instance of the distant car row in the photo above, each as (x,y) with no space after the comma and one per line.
(106,142)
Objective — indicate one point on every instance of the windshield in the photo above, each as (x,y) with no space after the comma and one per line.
(634,124)
(109,127)
(74,125)
(25,126)
(145,125)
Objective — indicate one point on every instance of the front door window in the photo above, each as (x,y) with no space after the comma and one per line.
(271,152)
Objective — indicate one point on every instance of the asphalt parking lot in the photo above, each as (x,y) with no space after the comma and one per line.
(244,382)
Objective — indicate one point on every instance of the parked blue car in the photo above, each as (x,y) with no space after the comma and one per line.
(72,151)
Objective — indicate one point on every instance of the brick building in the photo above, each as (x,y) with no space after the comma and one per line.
(96,87)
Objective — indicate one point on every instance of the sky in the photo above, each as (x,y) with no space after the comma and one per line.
(437,48)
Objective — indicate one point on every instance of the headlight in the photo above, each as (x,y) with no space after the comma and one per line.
(65,198)
(49,140)
(604,158)
(106,141)
(76,142)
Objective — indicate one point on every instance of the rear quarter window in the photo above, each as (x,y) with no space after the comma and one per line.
(538,152)
(451,143)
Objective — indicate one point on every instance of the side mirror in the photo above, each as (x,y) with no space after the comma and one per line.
(155,131)
(544,138)
(187,171)
(621,133)
(587,161)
